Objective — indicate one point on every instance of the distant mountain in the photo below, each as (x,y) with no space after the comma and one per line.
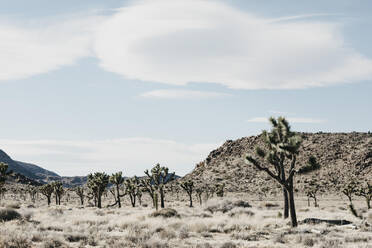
(33,174)
(27,173)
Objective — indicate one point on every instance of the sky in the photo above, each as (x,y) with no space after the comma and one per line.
(114,85)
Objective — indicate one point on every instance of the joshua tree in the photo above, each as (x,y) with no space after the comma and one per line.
(3,175)
(349,189)
(32,191)
(47,190)
(117,179)
(131,188)
(80,192)
(58,191)
(311,188)
(278,160)
(159,177)
(97,182)
(139,193)
(199,192)
(364,189)
(188,186)
(150,188)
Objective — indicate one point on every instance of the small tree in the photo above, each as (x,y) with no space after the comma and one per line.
(349,190)
(188,186)
(151,189)
(131,188)
(159,177)
(80,192)
(311,188)
(364,189)
(58,191)
(3,176)
(199,191)
(97,182)
(47,190)
(117,179)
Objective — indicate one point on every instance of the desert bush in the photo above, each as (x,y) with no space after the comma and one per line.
(228,245)
(9,214)
(14,205)
(153,243)
(15,241)
(53,243)
(165,213)
(184,233)
(240,211)
(225,205)
(75,237)
(308,242)
(271,205)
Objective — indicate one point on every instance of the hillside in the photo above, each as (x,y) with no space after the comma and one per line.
(33,174)
(332,150)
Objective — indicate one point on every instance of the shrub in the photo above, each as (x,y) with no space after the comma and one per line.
(8,214)
(228,245)
(15,241)
(165,213)
(308,242)
(226,205)
(53,243)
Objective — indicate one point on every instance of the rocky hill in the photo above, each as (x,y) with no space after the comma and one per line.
(332,150)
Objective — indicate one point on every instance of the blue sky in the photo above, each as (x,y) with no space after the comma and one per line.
(121,85)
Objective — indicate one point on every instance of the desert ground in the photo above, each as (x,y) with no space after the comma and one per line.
(236,220)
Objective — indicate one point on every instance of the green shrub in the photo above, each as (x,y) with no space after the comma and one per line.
(9,214)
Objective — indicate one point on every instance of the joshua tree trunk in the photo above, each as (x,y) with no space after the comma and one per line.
(190,195)
(292,207)
(156,201)
(48,197)
(56,199)
(118,195)
(286,205)
(368,200)
(99,205)
(161,198)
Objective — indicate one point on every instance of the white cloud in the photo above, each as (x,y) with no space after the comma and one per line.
(182,94)
(290,119)
(32,48)
(181,41)
(130,155)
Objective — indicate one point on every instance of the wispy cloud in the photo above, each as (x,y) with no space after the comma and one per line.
(131,155)
(33,48)
(177,42)
(183,94)
(290,119)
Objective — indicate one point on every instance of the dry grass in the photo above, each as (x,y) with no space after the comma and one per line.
(221,223)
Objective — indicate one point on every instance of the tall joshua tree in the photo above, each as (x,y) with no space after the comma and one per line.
(97,182)
(278,160)
(160,176)
(117,179)
(188,186)
(47,190)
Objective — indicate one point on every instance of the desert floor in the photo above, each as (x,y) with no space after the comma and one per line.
(220,222)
